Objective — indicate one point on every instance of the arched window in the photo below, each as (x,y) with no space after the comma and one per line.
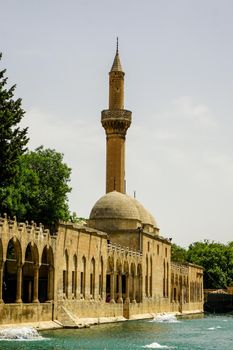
(146,278)
(74,277)
(101,277)
(110,270)
(164,279)
(83,277)
(151,274)
(92,278)
(139,285)
(65,274)
(167,281)
(172,287)
(46,275)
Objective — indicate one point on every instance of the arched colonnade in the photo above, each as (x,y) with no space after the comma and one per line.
(123,281)
(26,272)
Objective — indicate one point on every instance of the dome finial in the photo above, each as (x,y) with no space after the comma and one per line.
(117,46)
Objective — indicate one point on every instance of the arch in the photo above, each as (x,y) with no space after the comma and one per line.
(126,267)
(110,271)
(150,278)
(65,274)
(12,276)
(119,266)
(180,289)
(101,277)
(139,269)
(172,287)
(139,283)
(146,278)
(167,280)
(74,276)
(46,275)
(92,278)
(132,268)
(30,274)
(83,277)
(172,278)
(110,264)
(164,278)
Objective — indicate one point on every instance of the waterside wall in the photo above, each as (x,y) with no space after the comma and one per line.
(78,273)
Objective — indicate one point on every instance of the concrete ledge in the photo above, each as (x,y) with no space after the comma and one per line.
(40,326)
(88,321)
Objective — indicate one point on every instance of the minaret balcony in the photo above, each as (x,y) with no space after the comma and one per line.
(116,120)
(116,114)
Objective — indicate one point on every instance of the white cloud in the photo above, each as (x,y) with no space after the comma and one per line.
(199,113)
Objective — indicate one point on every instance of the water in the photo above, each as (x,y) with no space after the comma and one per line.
(208,333)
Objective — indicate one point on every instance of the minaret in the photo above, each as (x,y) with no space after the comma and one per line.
(116,120)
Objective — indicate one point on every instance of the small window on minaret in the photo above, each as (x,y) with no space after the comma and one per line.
(148,246)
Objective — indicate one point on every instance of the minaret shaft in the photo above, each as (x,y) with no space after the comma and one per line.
(115,164)
(116,90)
(115,120)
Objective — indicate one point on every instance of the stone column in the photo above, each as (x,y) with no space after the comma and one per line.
(35,284)
(19,285)
(134,288)
(50,283)
(120,300)
(181,300)
(140,288)
(104,283)
(1,282)
(112,288)
(69,283)
(127,300)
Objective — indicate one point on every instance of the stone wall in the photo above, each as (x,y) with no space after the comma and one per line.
(23,313)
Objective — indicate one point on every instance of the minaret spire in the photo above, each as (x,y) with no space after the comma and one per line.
(116,120)
(117,46)
(116,66)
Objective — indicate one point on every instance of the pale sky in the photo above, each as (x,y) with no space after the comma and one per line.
(177,56)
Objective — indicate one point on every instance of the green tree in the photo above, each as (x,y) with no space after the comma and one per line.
(13,139)
(42,188)
(216,259)
(178,253)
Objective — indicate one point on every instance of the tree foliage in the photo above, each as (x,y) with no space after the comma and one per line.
(178,253)
(215,258)
(13,139)
(42,188)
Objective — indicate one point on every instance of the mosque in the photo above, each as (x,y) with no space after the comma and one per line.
(115,266)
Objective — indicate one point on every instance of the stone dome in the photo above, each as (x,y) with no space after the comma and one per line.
(145,216)
(152,219)
(115,205)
